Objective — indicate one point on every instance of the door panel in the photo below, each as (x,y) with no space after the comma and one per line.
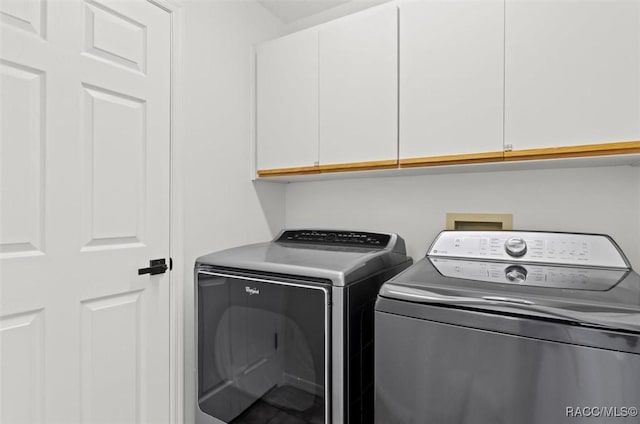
(111,357)
(572,74)
(85,203)
(358,57)
(114,38)
(28,16)
(22,353)
(287,101)
(114,209)
(451,77)
(21,161)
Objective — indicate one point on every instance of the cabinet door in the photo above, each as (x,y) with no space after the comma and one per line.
(358,88)
(287,102)
(572,73)
(451,78)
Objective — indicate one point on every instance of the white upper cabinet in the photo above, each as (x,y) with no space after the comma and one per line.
(572,73)
(451,78)
(287,102)
(437,82)
(359,87)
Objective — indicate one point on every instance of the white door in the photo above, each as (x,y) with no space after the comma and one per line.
(287,102)
(451,78)
(572,74)
(85,204)
(358,88)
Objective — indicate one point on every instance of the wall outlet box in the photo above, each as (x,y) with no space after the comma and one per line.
(479,221)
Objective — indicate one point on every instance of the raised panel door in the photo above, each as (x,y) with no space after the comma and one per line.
(84,202)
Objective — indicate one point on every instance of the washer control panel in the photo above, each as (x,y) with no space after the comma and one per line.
(532,247)
(557,277)
(335,237)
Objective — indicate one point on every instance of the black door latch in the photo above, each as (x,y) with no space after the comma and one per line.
(156,266)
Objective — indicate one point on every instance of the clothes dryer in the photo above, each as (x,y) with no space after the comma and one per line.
(285,328)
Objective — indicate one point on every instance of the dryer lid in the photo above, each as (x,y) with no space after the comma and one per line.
(341,257)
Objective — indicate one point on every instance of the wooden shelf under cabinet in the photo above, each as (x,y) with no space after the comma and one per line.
(602,149)
(452,159)
(586,150)
(338,167)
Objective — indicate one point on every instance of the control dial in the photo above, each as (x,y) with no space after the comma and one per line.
(515,246)
(516,274)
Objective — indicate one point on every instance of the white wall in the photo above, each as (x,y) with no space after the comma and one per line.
(221,206)
(598,200)
(327,15)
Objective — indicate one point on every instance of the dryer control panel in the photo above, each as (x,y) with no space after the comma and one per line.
(335,237)
(532,247)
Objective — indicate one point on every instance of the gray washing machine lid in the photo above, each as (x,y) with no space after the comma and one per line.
(578,278)
(339,256)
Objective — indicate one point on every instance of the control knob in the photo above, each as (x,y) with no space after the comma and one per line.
(515,246)
(516,274)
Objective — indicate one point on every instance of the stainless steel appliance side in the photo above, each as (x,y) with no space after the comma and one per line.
(432,372)
(337,355)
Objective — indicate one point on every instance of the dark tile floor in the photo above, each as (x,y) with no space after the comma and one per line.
(284,405)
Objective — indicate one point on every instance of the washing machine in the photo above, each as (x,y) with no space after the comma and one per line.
(285,328)
(510,327)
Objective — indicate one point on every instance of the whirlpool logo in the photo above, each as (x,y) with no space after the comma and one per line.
(251,291)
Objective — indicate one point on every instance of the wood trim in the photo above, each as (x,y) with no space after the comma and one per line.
(359,166)
(452,159)
(338,167)
(277,172)
(585,150)
(603,149)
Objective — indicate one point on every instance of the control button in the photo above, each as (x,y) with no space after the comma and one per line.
(515,246)
(516,274)
(330,237)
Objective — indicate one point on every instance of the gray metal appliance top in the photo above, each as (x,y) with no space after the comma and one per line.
(339,256)
(581,278)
